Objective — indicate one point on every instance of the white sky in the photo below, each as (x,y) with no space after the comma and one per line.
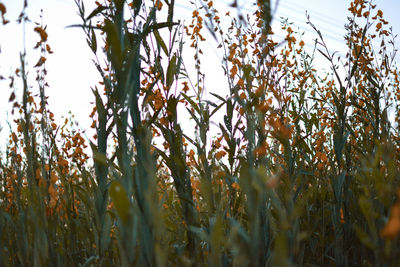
(71,72)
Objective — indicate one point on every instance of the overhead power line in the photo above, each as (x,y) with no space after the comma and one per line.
(319,15)
(304,28)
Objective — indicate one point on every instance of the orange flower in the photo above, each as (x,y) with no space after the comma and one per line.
(233,71)
(220,154)
(217,143)
(41,61)
(52,202)
(392,228)
(164,121)
(78,150)
(38,174)
(166,145)
(260,151)
(14,137)
(159,5)
(42,33)
(235,186)
(63,163)
(52,191)
(320,166)
(53,177)
(191,153)
(185,88)
(158,101)
(323,157)
(3,9)
(342,221)
(272,182)
(48,49)
(240,83)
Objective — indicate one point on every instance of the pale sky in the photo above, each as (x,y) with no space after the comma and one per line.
(71,72)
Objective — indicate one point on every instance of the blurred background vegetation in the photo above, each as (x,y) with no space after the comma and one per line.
(303,169)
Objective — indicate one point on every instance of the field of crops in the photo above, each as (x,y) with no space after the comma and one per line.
(303,169)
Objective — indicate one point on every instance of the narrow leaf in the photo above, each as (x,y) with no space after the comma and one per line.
(160,41)
(171,71)
(120,199)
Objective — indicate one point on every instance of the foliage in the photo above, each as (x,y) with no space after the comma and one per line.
(302,170)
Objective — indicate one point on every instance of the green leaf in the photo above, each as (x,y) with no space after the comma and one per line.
(157,26)
(119,4)
(99,103)
(172,102)
(160,41)
(93,44)
(113,40)
(364,237)
(89,261)
(219,97)
(338,184)
(171,71)
(96,11)
(247,71)
(192,103)
(171,13)
(83,26)
(105,236)
(150,18)
(121,201)
(338,144)
(98,156)
(216,109)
